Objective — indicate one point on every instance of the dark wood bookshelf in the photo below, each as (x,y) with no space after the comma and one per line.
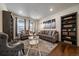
(69,28)
(8,25)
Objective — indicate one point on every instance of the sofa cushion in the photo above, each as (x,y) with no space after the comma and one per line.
(46,32)
(49,36)
(49,33)
(42,32)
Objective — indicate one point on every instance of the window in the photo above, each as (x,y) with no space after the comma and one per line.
(20,25)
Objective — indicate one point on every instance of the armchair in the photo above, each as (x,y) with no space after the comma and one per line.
(24,34)
(10,50)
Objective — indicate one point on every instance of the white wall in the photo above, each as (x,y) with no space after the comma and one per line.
(0,21)
(2,7)
(57,16)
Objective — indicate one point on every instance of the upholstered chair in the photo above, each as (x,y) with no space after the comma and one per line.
(10,50)
(24,34)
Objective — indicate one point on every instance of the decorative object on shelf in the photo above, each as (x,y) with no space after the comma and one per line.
(69,28)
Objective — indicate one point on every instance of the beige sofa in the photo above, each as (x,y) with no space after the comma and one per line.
(49,35)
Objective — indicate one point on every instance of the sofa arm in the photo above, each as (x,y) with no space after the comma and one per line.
(56,36)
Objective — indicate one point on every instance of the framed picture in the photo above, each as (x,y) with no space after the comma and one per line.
(49,24)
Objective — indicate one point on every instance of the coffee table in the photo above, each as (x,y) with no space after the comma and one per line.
(33,41)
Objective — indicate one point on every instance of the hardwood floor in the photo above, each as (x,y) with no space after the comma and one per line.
(64,49)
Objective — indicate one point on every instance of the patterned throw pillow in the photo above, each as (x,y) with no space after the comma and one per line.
(49,33)
(53,33)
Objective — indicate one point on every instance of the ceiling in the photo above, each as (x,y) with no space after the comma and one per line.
(37,10)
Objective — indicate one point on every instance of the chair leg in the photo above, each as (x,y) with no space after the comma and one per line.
(23,51)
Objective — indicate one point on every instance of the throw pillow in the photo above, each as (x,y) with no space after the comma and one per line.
(53,33)
(49,33)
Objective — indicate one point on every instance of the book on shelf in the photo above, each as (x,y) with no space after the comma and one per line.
(68,18)
(69,29)
(68,37)
(68,25)
(65,33)
(72,34)
(68,42)
(64,29)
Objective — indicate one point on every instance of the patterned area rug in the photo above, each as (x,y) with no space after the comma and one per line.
(42,49)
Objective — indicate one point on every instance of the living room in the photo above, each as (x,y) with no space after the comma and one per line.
(47,30)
